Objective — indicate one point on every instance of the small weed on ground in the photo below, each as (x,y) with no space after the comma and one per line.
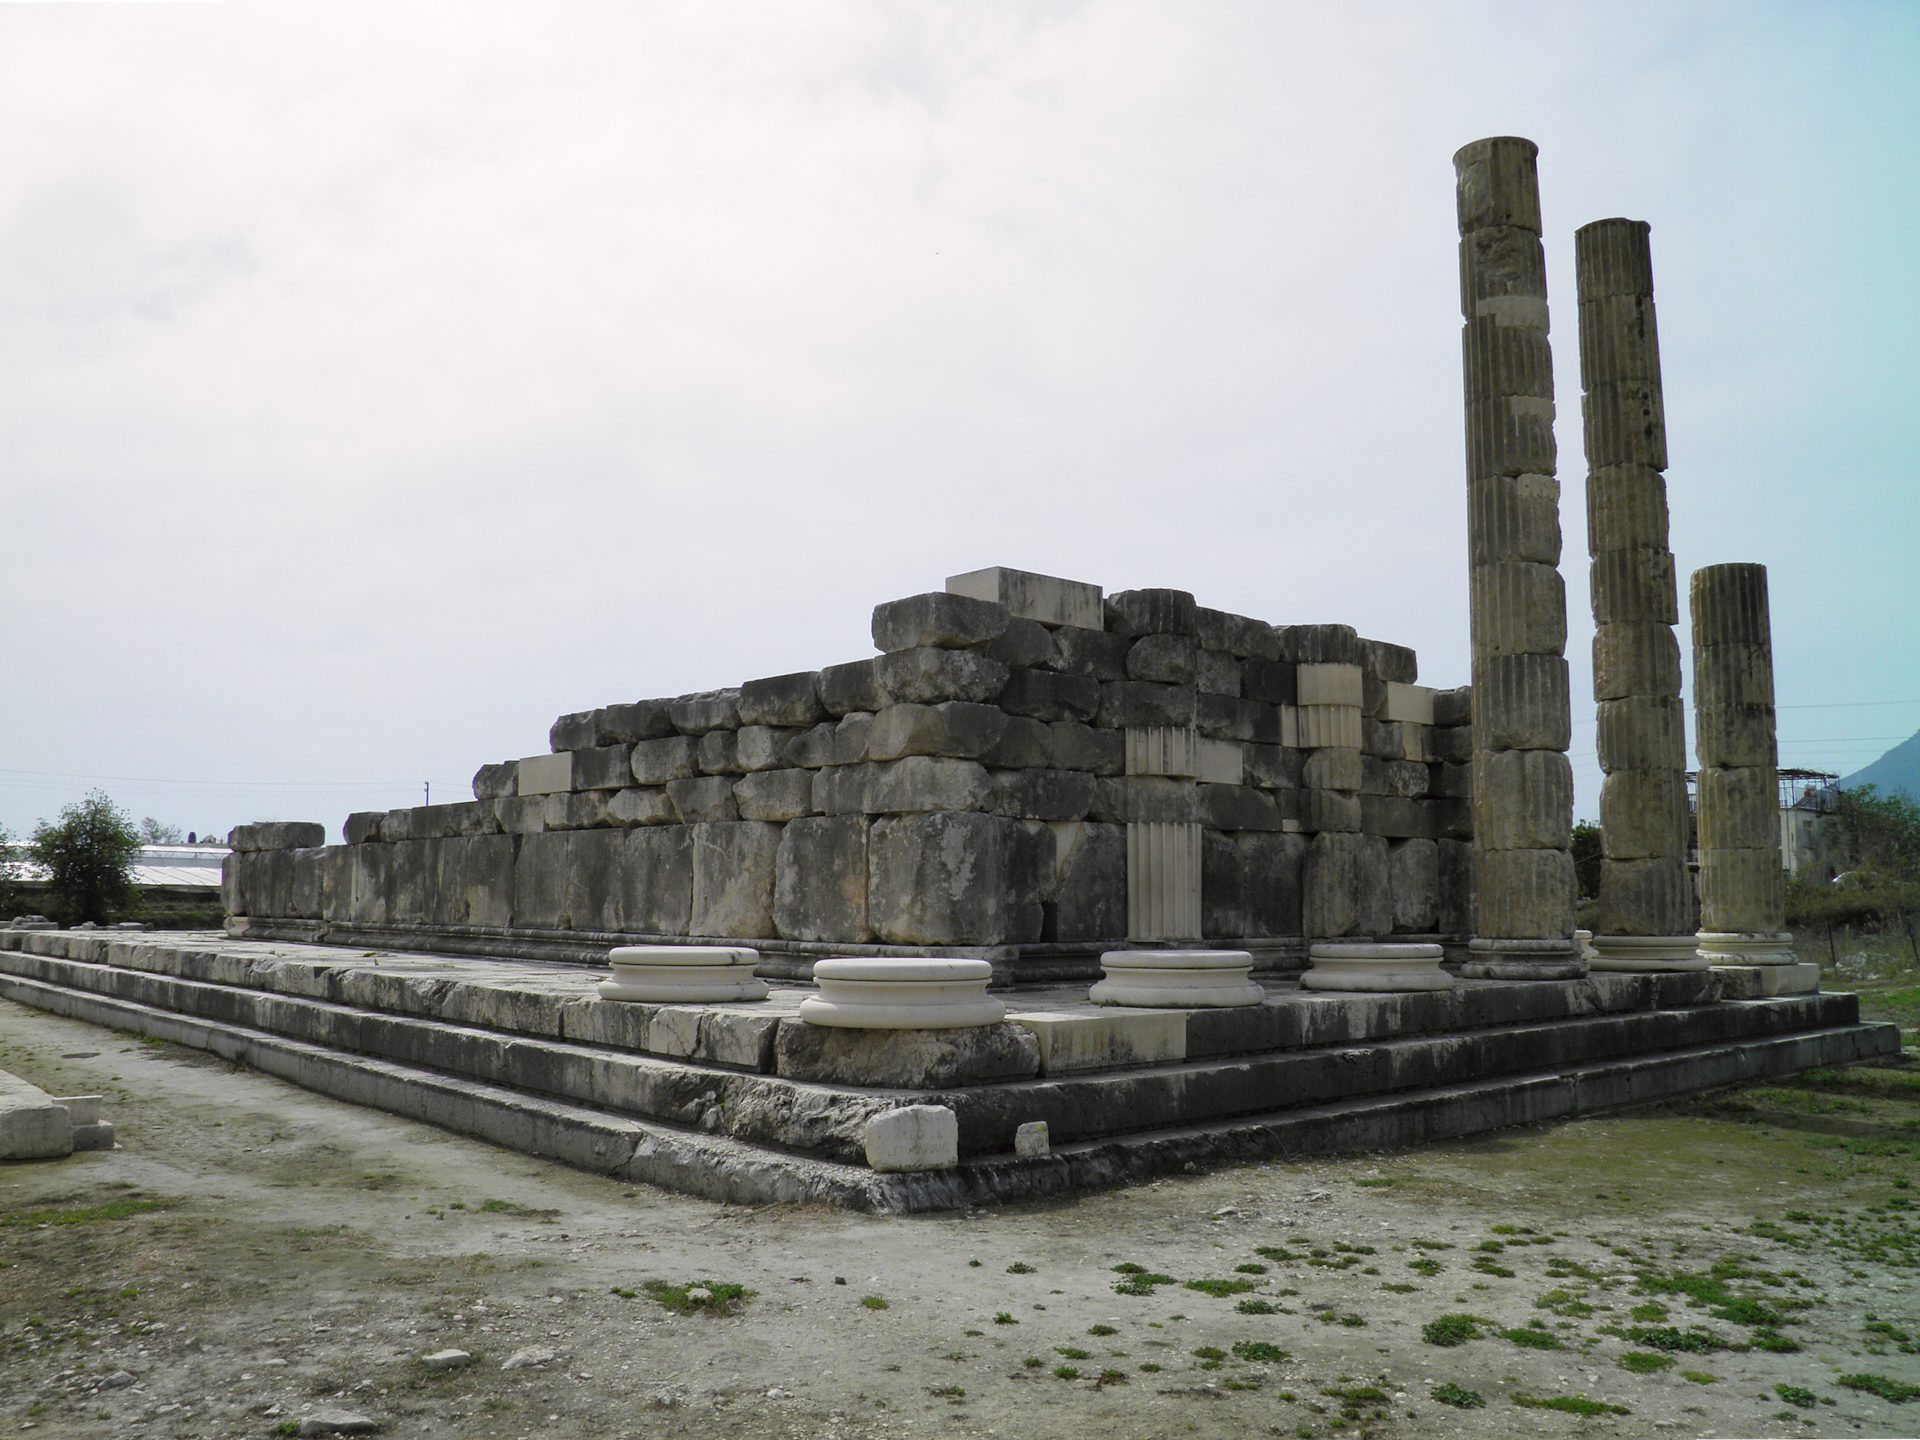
(706,1297)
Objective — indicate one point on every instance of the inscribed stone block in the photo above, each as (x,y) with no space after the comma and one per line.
(820,880)
(939,618)
(733,876)
(1045,598)
(913,1137)
(546,774)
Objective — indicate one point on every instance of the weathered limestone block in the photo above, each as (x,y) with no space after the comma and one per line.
(955,728)
(1406,779)
(1513,517)
(572,732)
(956,878)
(1626,508)
(940,618)
(704,798)
(850,687)
(1041,794)
(820,880)
(1453,745)
(1319,644)
(596,881)
(1333,768)
(637,720)
(641,806)
(1642,732)
(1045,598)
(1223,887)
(1643,816)
(1050,695)
(1272,682)
(706,710)
(733,877)
(1274,868)
(546,774)
(446,883)
(832,742)
(1227,717)
(1145,800)
(1738,736)
(655,762)
(719,753)
(1511,434)
(486,874)
(1128,704)
(1397,818)
(540,881)
(927,676)
(1739,808)
(775,795)
(1521,894)
(1330,811)
(1023,645)
(906,1059)
(781,700)
(1733,676)
(1346,886)
(1638,658)
(1519,607)
(1273,767)
(1081,747)
(1413,880)
(659,868)
(1024,744)
(1453,707)
(917,783)
(1457,916)
(1625,424)
(1090,901)
(1393,664)
(1634,585)
(1522,702)
(308,867)
(368,882)
(1134,613)
(1646,897)
(1523,800)
(761,747)
(582,810)
(1163,659)
(1091,652)
(912,1138)
(606,767)
(1240,636)
(496,782)
(1742,891)
(277,835)
(1237,807)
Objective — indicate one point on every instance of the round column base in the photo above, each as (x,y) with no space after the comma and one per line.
(1718,947)
(902,993)
(683,974)
(1177,979)
(1646,954)
(1523,960)
(1376,966)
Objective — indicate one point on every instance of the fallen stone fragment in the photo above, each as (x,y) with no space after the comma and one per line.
(446,1360)
(533,1355)
(337,1422)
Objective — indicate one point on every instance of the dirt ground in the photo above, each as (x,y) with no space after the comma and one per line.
(253,1255)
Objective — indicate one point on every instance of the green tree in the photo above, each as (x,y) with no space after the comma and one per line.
(158,832)
(1586,858)
(88,856)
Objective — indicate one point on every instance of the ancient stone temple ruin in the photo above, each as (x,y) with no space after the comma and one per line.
(1063,888)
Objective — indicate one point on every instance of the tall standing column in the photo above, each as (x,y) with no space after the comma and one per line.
(1647,915)
(1522,722)
(1742,886)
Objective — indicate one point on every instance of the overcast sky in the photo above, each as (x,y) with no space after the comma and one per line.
(377,383)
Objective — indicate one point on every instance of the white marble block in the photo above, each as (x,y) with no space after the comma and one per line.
(1177,979)
(1410,703)
(1030,1141)
(902,993)
(914,1137)
(1221,762)
(1331,685)
(1046,598)
(546,774)
(1375,965)
(683,974)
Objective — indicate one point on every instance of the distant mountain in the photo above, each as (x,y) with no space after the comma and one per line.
(1896,771)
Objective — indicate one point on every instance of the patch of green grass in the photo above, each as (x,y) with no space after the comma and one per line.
(1020,1267)
(1072,1352)
(1894,1392)
(1430,1244)
(1667,1337)
(1375,1182)
(1797,1395)
(1110,1377)
(1003,1317)
(1101,1330)
(1425,1266)
(1650,1312)
(1260,1350)
(1220,1289)
(1528,1337)
(1452,1329)
(1065,1372)
(707,1297)
(874,1302)
(1397,1288)
(1645,1362)
(1149,1369)
(1458,1396)
(1142,1283)
(1569,1404)
(947,1392)
(519,1212)
(1488,1267)
(1209,1352)
(1773,1342)
(1033,1362)
(81,1215)
(1699,1377)
(623,1292)
(1249,1269)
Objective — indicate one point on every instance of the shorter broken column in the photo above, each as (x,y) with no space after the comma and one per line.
(683,974)
(902,993)
(1375,966)
(1742,885)
(1205,979)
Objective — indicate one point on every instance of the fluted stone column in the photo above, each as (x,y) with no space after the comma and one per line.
(1163,834)
(1742,886)
(1522,723)
(1647,913)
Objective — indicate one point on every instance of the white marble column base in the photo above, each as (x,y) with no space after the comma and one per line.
(902,993)
(1375,965)
(1177,979)
(1523,960)
(1721,948)
(683,974)
(1646,954)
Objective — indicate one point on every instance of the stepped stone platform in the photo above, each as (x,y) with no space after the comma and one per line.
(748,1103)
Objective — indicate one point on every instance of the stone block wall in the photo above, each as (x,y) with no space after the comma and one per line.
(969,787)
